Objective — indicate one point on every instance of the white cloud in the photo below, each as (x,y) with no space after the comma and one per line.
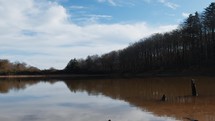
(185,15)
(42,34)
(169,4)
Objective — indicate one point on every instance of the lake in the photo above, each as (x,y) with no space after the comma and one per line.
(133,99)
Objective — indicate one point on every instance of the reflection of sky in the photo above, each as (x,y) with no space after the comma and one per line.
(46,102)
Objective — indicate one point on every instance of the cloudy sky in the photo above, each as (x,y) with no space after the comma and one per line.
(48,33)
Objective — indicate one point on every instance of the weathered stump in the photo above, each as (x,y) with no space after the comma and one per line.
(193,87)
(163,98)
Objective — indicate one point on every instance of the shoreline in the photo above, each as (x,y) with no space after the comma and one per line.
(116,75)
(52,76)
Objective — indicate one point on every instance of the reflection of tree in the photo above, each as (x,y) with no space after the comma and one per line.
(146,93)
(5,86)
(149,89)
(18,84)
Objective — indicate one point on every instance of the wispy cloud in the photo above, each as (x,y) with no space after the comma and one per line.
(77,7)
(86,19)
(169,4)
(45,27)
(119,3)
(111,2)
(93,18)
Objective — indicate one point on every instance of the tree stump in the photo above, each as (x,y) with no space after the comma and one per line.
(193,87)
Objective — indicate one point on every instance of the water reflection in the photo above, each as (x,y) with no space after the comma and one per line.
(104,99)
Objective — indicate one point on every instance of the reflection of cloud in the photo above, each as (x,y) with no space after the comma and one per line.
(31,117)
(15,99)
(74,105)
(29,33)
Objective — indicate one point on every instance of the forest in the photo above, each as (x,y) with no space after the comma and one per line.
(190,47)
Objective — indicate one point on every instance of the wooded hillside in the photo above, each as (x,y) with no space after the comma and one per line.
(190,46)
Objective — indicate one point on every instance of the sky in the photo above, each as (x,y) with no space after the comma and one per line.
(49,33)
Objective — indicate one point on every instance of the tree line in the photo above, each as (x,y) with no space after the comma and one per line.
(21,68)
(190,46)
(9,68)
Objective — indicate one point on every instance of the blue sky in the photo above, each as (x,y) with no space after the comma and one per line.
(48,33)
(154,12)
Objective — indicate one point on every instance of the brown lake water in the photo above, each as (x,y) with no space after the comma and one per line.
(103,99)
